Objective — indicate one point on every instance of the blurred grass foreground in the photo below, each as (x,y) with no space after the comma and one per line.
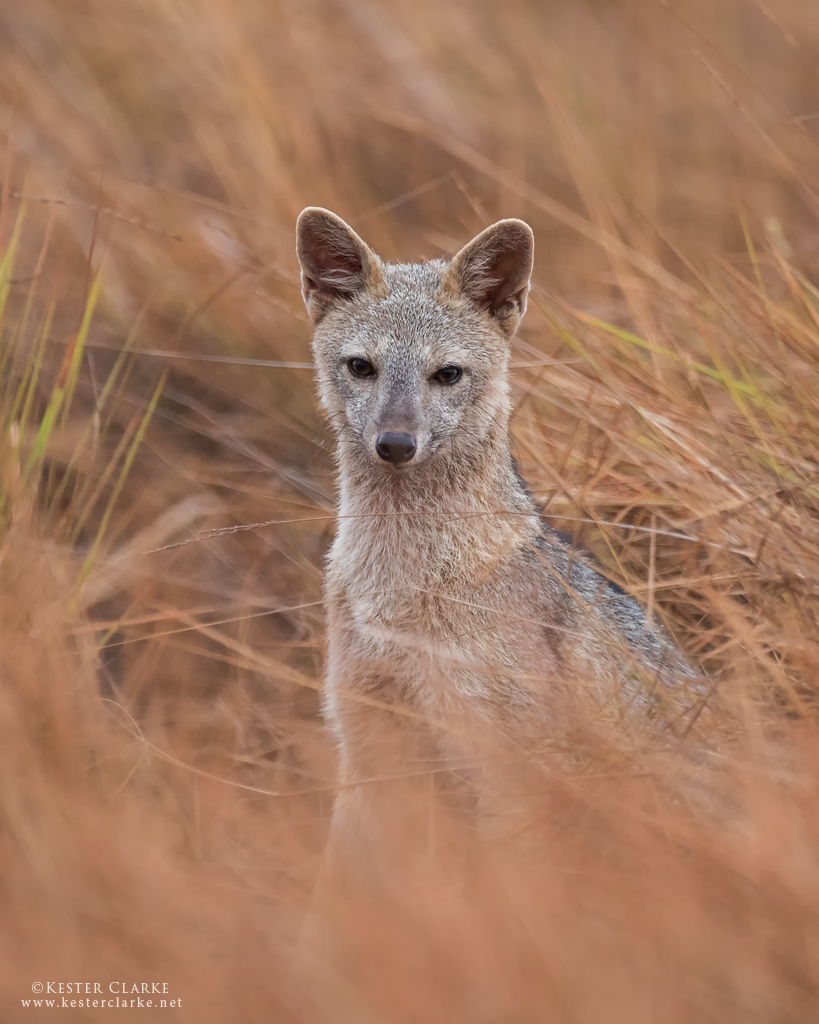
(165,781)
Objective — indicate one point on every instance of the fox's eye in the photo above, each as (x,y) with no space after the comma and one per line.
(448,374)
(361,367)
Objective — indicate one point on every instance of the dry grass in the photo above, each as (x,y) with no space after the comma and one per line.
(164,778)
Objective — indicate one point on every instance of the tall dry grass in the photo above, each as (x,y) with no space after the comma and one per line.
(165,780)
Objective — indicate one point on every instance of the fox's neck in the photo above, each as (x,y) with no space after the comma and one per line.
(470,507)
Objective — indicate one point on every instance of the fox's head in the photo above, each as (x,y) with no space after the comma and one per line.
(413,358)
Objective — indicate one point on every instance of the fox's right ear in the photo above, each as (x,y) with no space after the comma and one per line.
(336,265)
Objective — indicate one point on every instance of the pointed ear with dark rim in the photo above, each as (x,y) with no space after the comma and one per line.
(493,271)
(336,265)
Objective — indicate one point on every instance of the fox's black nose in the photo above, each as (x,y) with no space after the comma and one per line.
(395,447)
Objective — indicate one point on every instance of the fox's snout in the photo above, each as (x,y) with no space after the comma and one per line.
(395,448)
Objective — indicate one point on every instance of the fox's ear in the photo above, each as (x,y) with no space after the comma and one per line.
(493,270)
(336,265)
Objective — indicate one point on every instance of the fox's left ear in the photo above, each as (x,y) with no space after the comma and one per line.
(493,271)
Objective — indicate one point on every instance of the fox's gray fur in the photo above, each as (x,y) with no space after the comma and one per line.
(449,599)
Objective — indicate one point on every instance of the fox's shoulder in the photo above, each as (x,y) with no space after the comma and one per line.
(600,603)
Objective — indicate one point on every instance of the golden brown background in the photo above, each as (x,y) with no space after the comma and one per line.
(164,777)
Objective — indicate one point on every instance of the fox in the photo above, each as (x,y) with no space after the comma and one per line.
(456,617)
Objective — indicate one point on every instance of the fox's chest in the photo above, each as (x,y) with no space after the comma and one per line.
(403,594)
(436,664)
(432,621)
(415,573)
(455,643)
(464,671)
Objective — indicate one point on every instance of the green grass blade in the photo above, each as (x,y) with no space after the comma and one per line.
(91,557)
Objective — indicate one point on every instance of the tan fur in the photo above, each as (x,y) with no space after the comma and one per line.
(456,617)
